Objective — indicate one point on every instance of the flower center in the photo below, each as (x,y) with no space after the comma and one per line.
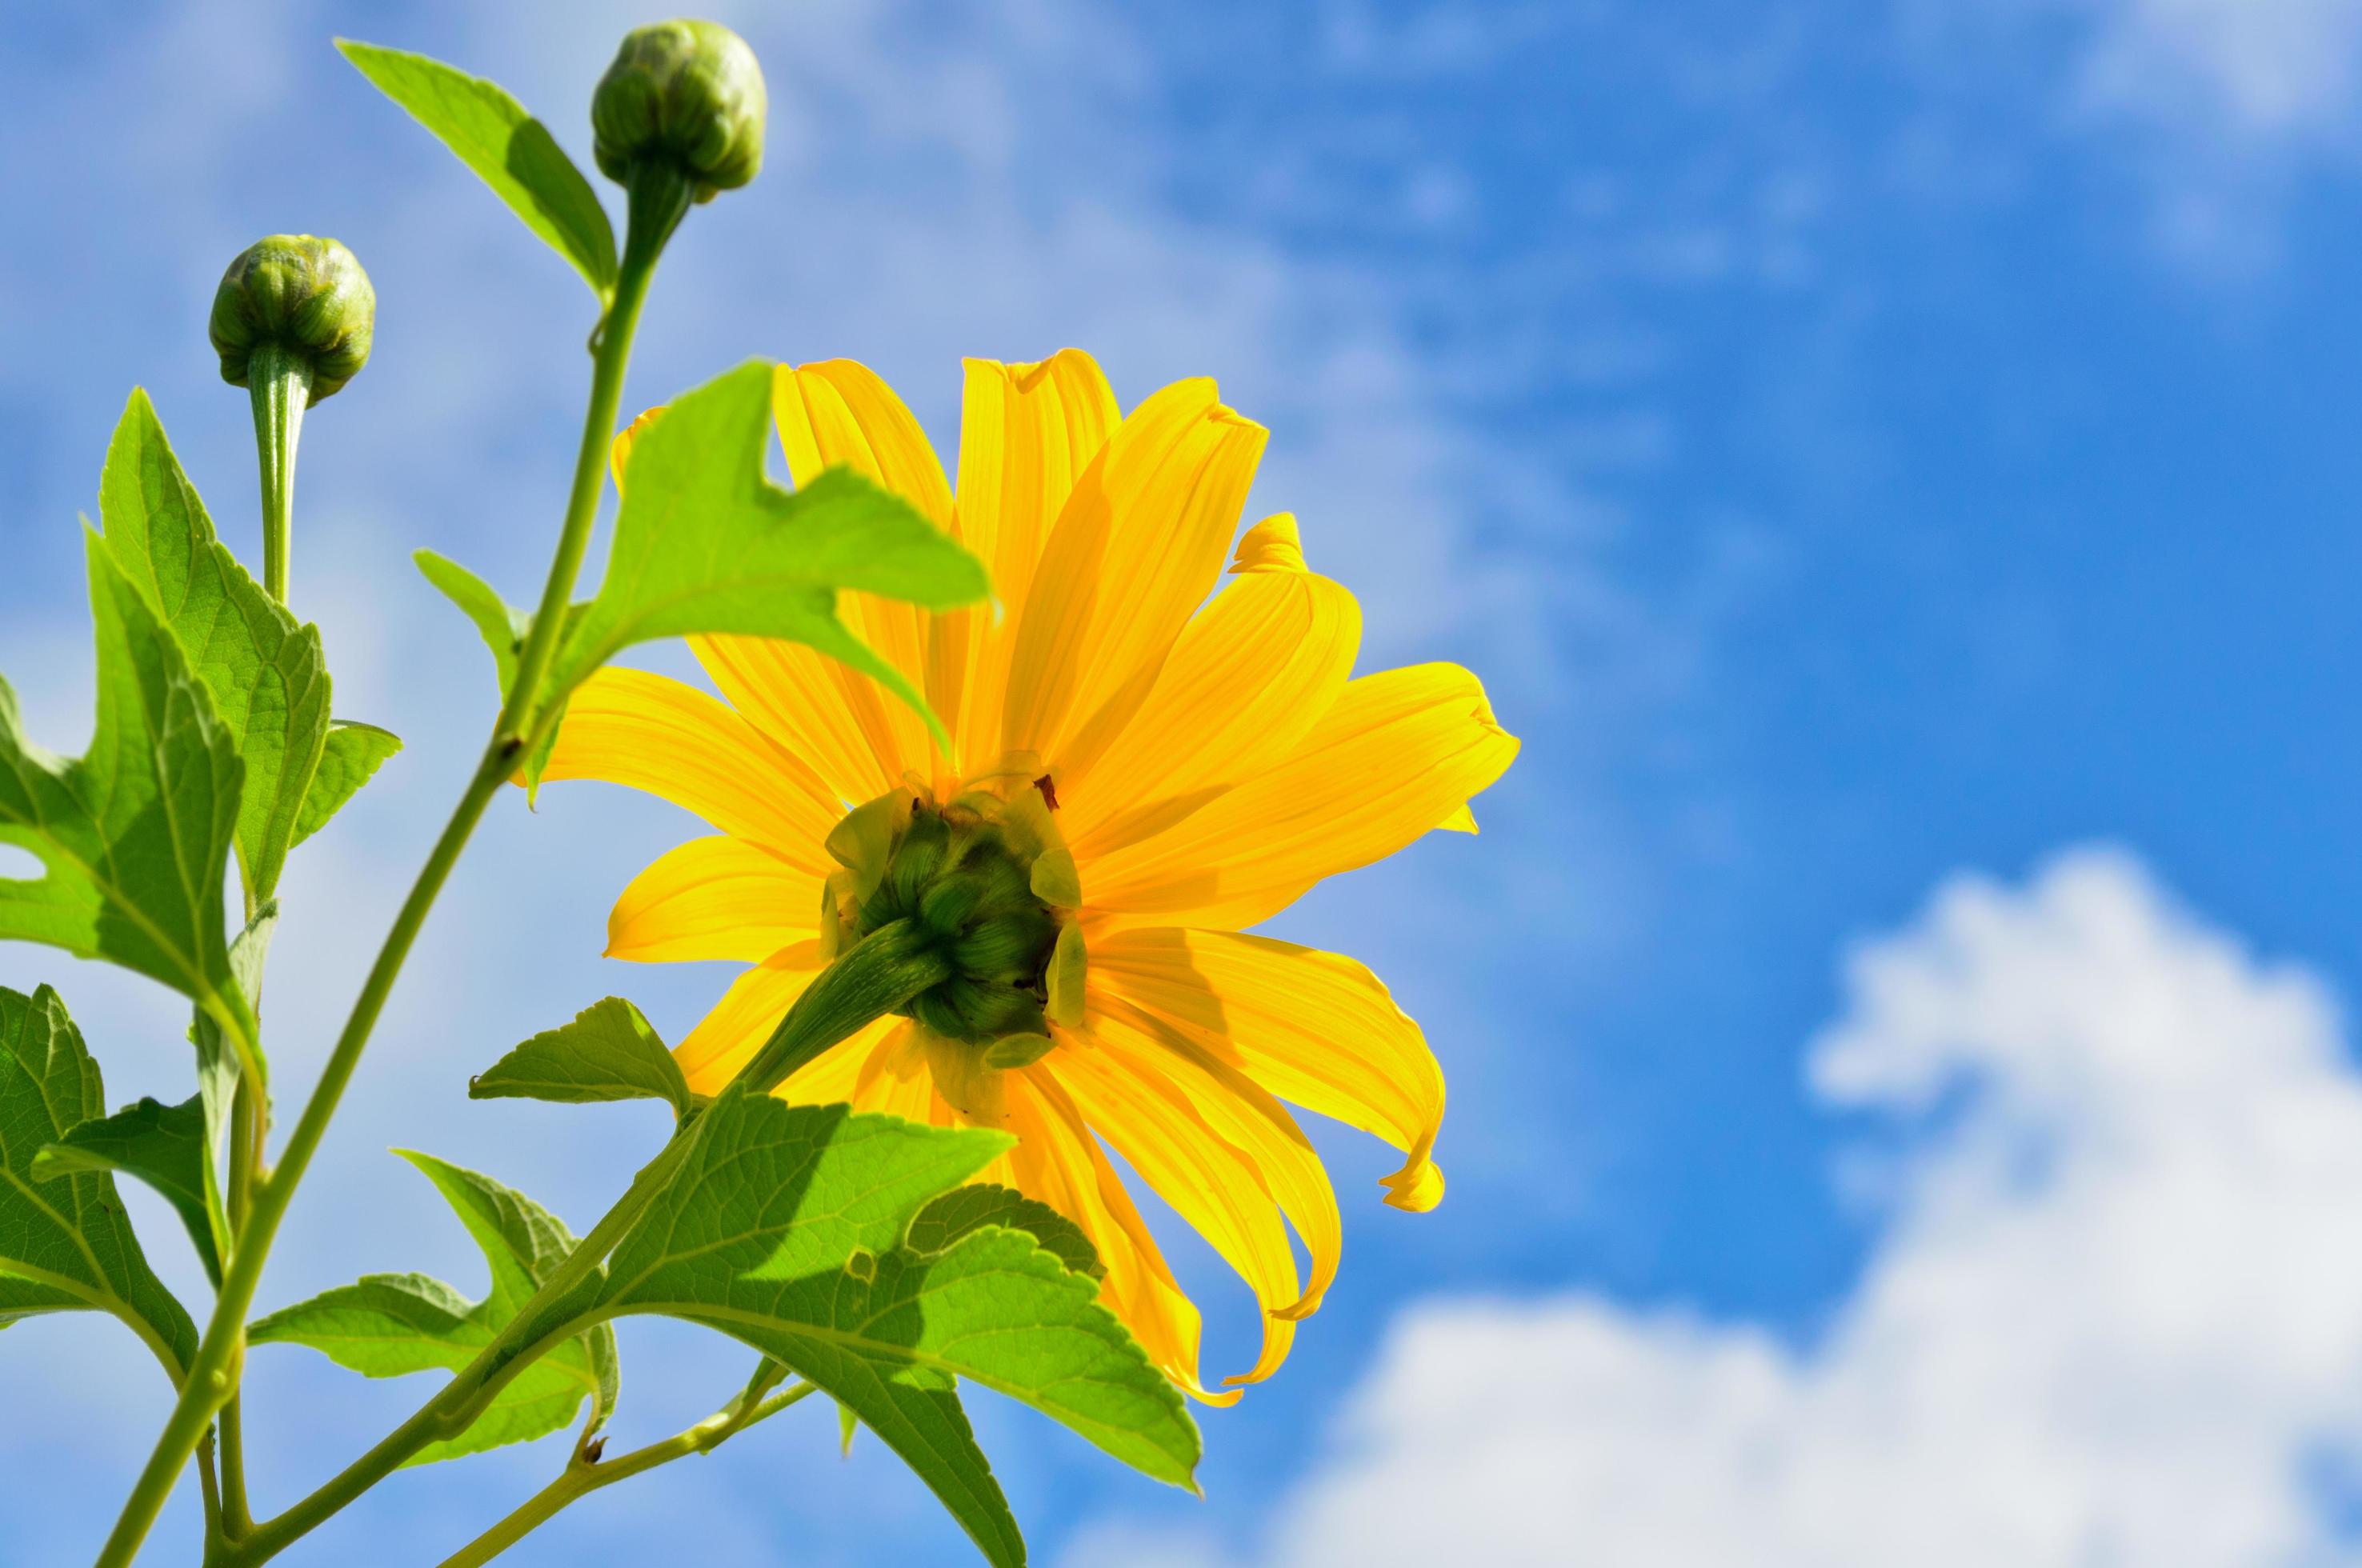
(963,875)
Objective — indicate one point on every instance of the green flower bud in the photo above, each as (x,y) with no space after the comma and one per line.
(959,878)
(305,297)
(689,95)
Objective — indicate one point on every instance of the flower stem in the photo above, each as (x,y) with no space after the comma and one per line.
(583,1477)
(280,385)
(213,1379)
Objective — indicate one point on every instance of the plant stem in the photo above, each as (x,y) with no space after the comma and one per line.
(656,208)
(280,386)
(212,1380)
(581,1478)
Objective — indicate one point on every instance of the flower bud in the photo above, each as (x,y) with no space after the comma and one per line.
(689,95)
(305,296)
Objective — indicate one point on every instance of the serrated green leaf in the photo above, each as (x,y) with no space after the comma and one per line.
(785,1229)
(163,1146)
(68,1237)
(349,759)
(609,1052)
(848,1423)
(389,1325)
(508,148)
(134,838)
(704,542)
(945,1221)
(265,673)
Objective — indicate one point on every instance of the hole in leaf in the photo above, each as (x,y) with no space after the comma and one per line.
(20,865)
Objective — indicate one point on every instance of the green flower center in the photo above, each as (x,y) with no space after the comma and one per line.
(962,874)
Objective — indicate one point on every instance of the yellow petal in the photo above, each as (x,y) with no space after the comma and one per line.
(1315,1029)
(1137,550)
(1027,433)
(1391,759)
(1127,1101)
(1462,820)
(1057,1162)
(652,733)
(719,898)
(744,1017)
(797,698)
(835,413)
(1247,1114)
(1250,676)
(834,1077)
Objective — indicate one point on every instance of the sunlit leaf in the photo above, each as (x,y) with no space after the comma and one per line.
(508,148)
(349,759)
(608,1053)
(787,1229)
(388,1325)
(704,542)
(134,838)
(943,1223)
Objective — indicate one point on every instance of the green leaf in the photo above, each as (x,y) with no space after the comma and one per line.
(508,148)
(785,1229)
(349,759)
(134,838)
(388,1325)
(609,1052)
(705,543)
(265,673)
(948,1218)
(163,1146)
(71,1237)
(503,630)
(217,1065)
(21,1299)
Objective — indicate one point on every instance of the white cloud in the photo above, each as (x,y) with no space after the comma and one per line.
(2114,1313)
(2251,68)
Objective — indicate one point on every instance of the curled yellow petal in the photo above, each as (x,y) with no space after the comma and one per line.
(1207,1179)
(1315,1029)
(1059,1163)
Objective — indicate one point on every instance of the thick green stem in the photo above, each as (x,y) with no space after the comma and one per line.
(876,974)
(212,1380)
(583,1477)
(280,385)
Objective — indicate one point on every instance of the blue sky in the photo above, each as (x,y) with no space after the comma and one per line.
(1874,453)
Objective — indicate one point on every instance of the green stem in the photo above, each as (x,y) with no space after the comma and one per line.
(213,1379)
(583,1477)
(873,978)
(654,213)
(280,386)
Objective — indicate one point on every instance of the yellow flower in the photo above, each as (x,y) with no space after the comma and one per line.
(1205,760)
